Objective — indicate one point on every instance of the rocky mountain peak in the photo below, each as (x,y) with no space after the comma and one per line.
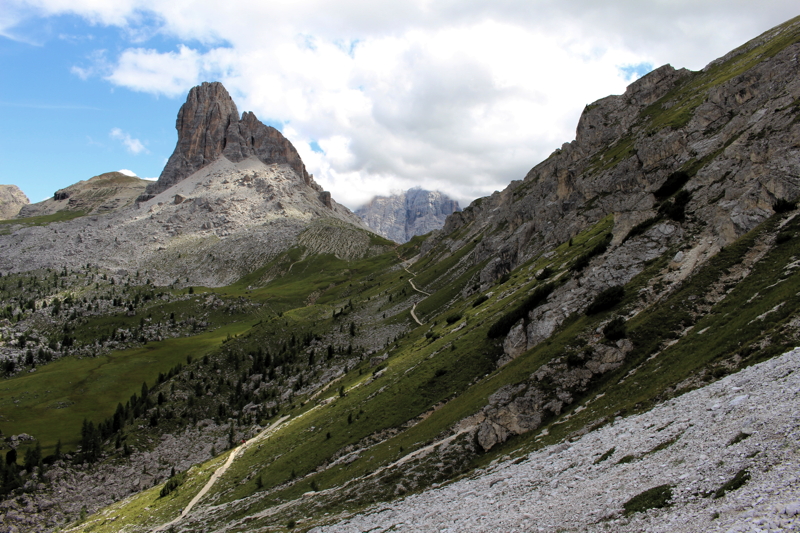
(209,127)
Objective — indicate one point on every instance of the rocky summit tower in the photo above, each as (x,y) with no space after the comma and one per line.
(209,127)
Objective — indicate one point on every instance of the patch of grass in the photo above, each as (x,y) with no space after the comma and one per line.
(42,220)
(655,498)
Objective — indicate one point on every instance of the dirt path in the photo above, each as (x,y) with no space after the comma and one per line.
(220,471)
(414,307)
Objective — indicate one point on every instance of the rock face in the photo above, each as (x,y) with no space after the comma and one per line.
(209,127)
(12,199)
(400,217)
(101,194)
(735,136)
(233,195)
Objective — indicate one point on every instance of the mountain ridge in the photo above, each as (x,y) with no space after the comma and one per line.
(402,216)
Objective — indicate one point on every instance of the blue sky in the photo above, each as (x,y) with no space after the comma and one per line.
(463,98)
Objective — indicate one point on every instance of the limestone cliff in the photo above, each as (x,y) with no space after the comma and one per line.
(209,127)
(401,216)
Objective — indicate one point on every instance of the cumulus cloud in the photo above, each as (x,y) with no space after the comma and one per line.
(460,96)
(134,146)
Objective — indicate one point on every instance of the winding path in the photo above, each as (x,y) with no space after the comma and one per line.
(220,471)
(414,307)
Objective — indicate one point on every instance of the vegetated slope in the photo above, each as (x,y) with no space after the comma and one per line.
(401,216)
(608,281)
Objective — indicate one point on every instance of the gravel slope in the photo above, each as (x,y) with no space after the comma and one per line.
(565,488)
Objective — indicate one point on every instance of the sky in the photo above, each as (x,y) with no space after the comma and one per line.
(460,96)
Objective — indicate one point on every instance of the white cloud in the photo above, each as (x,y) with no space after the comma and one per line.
(461,96)
(134,146)
(127,172)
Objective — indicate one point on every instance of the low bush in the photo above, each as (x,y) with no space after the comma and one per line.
(642,227)
(784,206)
(606,300)
(784,236)
(505,323)
(741,477)
(479,300)
(674,182)
(583,260)
(452,319)
(615,330)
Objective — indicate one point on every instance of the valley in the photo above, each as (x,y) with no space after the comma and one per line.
(558,345)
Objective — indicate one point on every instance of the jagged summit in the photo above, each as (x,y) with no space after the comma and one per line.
(401,216)
(209,127)
(235,190)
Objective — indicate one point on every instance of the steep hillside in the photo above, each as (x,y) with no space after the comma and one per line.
(401,216)
(654,255)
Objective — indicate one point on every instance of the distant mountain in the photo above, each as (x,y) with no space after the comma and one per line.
(400,217)
(11,201)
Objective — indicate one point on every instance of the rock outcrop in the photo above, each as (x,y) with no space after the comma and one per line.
(101,194)
(209,127)
(400,217)
(233,195)
(12,199)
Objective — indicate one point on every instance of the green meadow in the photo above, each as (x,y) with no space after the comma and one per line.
(52,402)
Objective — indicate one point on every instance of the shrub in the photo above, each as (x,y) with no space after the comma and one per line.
(606,455)
(452,319)
(655,498)
(583,260)
(479,300)
(676,209)
(741,477)
(641,227)
(674,182)
(505,322)
(783,237)
(545,273)
(172,484)
(606,300)
(615,330)
(784,206)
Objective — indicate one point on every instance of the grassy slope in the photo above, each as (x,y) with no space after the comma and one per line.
(52,402)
